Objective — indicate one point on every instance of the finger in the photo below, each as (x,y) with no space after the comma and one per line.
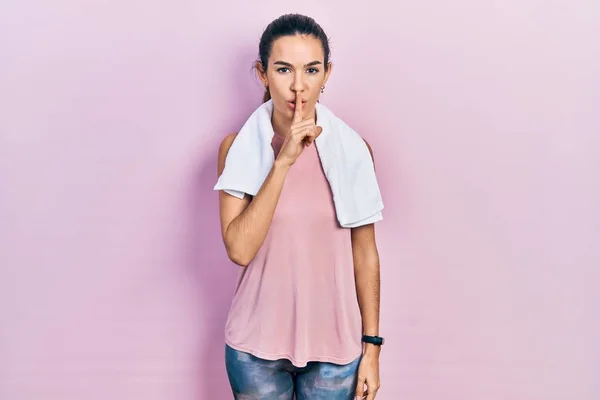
(306,135)
(318,130)
(301,134)
(371,390)
(360,388)
(302,124)
(298,109)
(315,133)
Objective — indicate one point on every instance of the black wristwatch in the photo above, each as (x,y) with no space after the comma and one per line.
(376,340)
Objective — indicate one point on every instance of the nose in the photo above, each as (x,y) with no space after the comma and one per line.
(298,84)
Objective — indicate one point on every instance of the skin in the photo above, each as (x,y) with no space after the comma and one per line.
(295,73)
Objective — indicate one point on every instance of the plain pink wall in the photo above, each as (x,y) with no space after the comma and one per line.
(484,119)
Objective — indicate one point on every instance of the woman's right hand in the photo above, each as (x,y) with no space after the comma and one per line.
(301,134)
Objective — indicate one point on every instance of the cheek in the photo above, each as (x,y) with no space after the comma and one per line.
(315,90)
(279,86)
(316,82)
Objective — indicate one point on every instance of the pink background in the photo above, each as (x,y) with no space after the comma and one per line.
(484,120)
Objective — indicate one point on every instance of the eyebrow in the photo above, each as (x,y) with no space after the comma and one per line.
(287,64)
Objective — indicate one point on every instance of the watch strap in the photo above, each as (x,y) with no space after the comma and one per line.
(376,340)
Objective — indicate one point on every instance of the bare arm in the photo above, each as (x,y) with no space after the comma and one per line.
(366,273)
(245,222)
(367,277)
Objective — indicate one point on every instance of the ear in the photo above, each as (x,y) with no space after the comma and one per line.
(261,73)
(328,73)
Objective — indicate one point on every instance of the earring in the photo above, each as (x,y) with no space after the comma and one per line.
(322,89)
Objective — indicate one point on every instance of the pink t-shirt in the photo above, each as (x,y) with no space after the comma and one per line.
(297,298)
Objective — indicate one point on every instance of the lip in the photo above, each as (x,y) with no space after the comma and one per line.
(292,104)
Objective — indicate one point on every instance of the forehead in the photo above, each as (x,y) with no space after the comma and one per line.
(297,49)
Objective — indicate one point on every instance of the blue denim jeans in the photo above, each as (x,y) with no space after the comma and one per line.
(255,378)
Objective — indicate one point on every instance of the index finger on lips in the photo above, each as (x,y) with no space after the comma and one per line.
(298,109)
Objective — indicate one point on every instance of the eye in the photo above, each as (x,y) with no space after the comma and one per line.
(282,68)
(313,69)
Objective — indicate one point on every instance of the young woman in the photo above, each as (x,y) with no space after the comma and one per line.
(304,320)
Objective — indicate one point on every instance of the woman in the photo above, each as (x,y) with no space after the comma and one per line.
(304,319)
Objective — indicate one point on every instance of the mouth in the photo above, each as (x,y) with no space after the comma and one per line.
(292,104)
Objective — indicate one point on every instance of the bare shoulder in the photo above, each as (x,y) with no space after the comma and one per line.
(370,149)
(223,150)
(227,142)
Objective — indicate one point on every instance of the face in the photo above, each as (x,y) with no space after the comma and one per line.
(296,66)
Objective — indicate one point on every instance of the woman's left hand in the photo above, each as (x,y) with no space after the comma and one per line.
(368,373)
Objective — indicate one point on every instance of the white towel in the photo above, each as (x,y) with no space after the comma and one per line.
(344,156)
